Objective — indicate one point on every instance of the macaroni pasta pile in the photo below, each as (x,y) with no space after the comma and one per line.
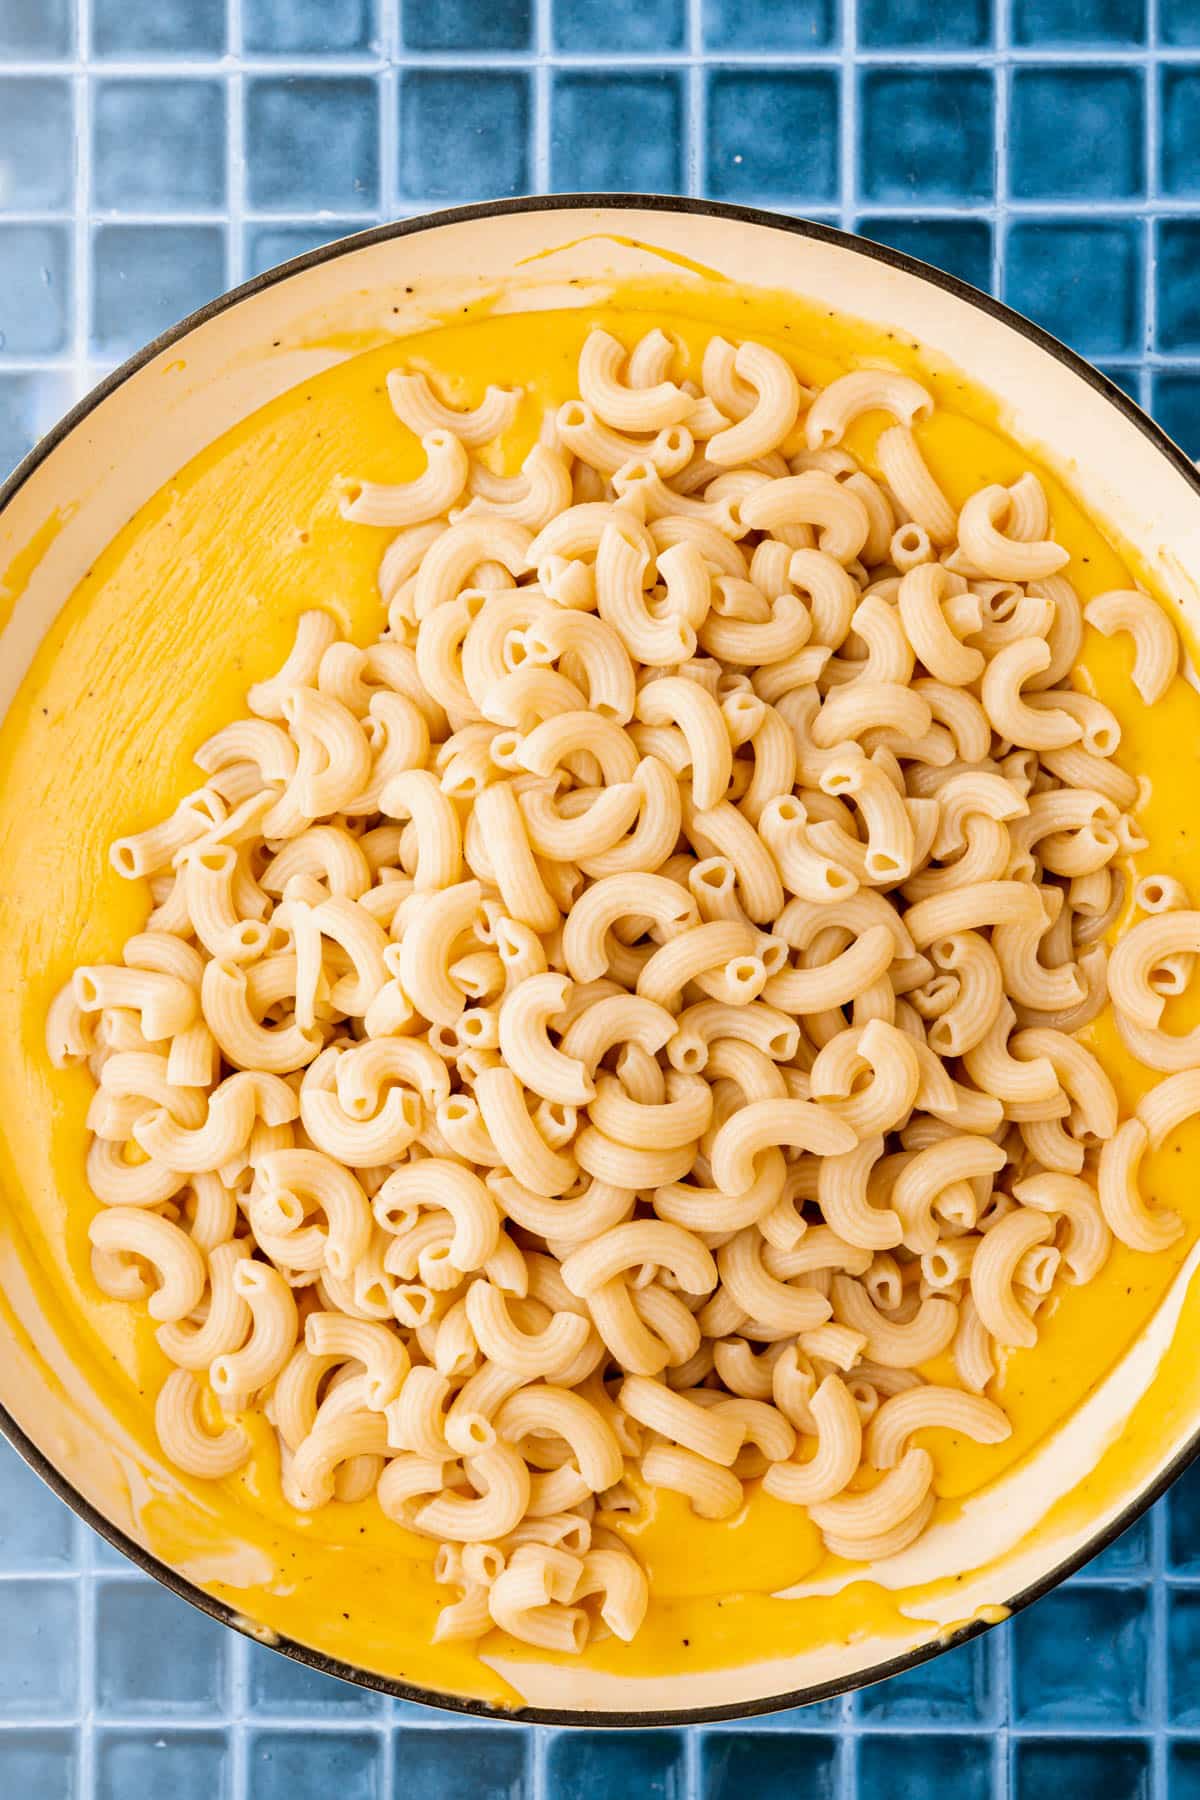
(617,1028)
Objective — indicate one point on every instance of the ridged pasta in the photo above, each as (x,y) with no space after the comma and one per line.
(663,948)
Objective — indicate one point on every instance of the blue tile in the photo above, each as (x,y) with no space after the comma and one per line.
(1130,1555)
(738,1764)
(146,277)
(41,28)
(1183,1657)
(36,1529)
(921,1767)
(883,24)
(1091,23)
(107,1556)
(1183,1772)
(158,145)
(1180,131)
(1178,294)
(1081,280)
(161,27)
(1060,119)
(267,245)
(769,24)
(957,1688)
(468,25)
(613,131)
(285,27)
(39,1650)
(1183,1501)
(191,1765)
(615,1765)
(819,1716)
(1104,1680)
(29,405)
(773,134)
(35,306)
(1130,382)
(962,247)
(37,144)
(285,1765)
(1179,23)
(1176,406)
(1112,1768)
(464,134)
(644,25)
(39,1763)
(476,1764)
(158,1654)
(312,143)
(926,135)
(279,1685)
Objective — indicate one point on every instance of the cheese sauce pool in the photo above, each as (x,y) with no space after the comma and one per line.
(195,599)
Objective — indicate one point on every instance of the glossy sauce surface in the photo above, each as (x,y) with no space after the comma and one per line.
(195,599)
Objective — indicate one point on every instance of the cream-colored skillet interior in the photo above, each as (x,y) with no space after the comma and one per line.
(45,551)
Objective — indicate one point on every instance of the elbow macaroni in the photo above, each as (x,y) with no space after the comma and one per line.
(518,988)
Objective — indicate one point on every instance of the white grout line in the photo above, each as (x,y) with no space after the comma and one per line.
(89,1650)
(1003,96)
(1150,240)
(848,128)
(695,167)
(542,96)
(235,150)
(83,247)
(901,56)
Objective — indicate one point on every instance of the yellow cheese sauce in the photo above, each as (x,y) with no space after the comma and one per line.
(198,597)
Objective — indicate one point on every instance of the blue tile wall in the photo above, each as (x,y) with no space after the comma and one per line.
(35,289)
(312,143)
(463,134)
(44,1763)
(285,1764)
(1175,403)
(776,25)
(962,246)
(1180,113)
(926,136)
(773,136)
(144,277)
(611,1765)
(1104,1681)
(922,1767)
(474,25)
(157,27)
(191,1765)
(184,120)
(41,28)
(1080,278)
(154,151)
(301,27)
(1118,1769)
(276,1687)
(39,1650)
(958,1689)
(1178,292)
(37,138)
(133,1620)
(1178,23)
(616,130)
(909,24)
(1059,117)
(266,245)
(1038,24)
(486,1764)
